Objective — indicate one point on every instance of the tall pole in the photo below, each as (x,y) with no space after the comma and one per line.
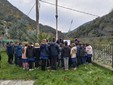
(56,19)
(37,18)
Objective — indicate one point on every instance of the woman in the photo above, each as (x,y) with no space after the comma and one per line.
(66,54)
(37,54)
(73,56)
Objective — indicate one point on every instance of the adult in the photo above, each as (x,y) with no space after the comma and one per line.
(24,58)
(73,56)
(76,41)
(30,56)
(44,54)
(18,54)
(89,51)
(10,52)
(84,58)
(37,54)
(78,54)
(66,54)
(54,52)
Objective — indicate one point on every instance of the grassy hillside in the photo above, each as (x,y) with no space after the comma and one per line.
(20,26)
(101,26)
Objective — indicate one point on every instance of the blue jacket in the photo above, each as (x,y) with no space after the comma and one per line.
(18,51)
(44,51)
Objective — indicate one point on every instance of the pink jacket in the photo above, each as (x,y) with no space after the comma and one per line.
(24,54)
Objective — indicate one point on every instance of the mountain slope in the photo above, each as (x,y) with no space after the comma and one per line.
(101,26)
(20,26)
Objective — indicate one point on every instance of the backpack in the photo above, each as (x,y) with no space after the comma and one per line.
(81,51)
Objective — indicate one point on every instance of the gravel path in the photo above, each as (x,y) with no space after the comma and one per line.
(16,82)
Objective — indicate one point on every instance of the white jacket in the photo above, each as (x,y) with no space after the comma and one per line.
(89,49)
(73,52)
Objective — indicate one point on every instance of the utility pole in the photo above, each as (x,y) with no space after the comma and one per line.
(56,19)
(6,29)
(37,18)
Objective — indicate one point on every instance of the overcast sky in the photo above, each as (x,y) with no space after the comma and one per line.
(47,12)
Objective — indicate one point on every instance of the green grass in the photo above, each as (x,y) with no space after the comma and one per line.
(84,75)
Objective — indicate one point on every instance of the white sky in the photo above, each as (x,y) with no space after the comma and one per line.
(47,12)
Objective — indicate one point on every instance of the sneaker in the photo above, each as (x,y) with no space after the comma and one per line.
(31,69)
(53,70)
(65,69)
(74,68)
(23,68)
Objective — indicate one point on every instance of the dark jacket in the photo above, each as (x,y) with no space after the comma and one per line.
(10,49)
(54,49)
(36,52)
(66,51)
(29,52)
(18,51)
(44,51)
(78,51)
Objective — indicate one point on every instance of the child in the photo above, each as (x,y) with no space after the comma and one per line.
(24,58)
(36,54)
(30,56)
(73,55)
(89,51)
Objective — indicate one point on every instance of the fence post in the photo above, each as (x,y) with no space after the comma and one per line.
(112,54)
(93,52)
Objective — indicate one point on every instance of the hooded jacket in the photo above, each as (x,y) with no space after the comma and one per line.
(44,51)
(54,49)
(29,52)
(19,50)
(10,49)
(66,51)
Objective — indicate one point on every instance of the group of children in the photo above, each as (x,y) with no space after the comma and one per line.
(49,54)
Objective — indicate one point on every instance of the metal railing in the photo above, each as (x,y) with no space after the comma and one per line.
(103,54)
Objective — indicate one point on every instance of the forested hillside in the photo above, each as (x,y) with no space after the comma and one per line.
(101,26)
(19,25)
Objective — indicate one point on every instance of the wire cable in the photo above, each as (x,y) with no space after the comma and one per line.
(71,9)
(31,9)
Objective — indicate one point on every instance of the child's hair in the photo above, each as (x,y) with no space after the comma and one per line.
(73,44)
(26,44)
(37,45)
(66,43)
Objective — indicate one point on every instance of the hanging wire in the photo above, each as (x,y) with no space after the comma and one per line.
(70,9)
(31,9)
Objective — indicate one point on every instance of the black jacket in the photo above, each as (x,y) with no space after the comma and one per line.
(54,49)
(36,52)
(66,51)
(29,52)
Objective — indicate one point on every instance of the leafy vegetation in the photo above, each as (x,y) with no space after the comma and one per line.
(84,75)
